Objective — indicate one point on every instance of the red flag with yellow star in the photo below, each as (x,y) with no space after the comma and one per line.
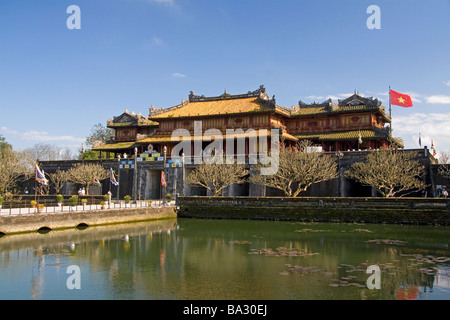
(400,99)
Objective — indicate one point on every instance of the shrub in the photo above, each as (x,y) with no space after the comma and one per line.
(59,198)
(73,200)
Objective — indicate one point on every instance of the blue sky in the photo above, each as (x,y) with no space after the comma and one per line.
(57,83)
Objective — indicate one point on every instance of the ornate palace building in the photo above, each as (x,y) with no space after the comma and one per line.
(141,149)
(355,123)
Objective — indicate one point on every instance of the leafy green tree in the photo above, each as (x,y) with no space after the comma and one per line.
(89,155)
(99,135)
(3,144)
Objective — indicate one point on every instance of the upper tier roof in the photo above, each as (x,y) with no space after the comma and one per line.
(354,103)
(225,104)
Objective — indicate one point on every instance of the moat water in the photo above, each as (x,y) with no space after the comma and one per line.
(187,259)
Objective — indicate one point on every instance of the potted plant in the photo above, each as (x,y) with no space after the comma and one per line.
(73,201)
(84,201)
(168,198)
(59,199)
(150,203)
(1,202)
(127,199)
(33,203)
(40,207)
(103,204)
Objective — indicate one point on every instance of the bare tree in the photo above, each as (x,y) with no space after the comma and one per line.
(444,157)
(14,166)
(42,189)
(298,169)
(49,152)
(83,173)
(66,154)
(444,171)
(44,152)
(216,177)
(99,135)
(59,178)
(389,172)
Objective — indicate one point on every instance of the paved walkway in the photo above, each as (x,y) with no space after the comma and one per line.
(80,208)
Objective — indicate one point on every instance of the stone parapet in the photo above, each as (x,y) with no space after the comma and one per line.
(317,209)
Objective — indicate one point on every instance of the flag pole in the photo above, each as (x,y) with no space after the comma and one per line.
(35,184)
(390,112)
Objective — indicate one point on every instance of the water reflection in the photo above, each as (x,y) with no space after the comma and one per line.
(220,259)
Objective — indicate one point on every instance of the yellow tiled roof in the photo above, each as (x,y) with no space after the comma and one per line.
(129,124)
(289,136)
(342,135)
(321,110)
(311,110)
(157,138)
(348,135)
(160,138)
(217,107)
(115,146)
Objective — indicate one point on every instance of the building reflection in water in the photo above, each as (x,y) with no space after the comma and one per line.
(192,259)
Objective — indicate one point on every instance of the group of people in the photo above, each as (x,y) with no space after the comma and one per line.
(439,193)
(82,192)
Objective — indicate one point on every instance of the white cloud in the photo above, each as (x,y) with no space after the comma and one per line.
(153,42)
(440,99)
(178,75)
(447,83)
(164,2)
(158,41)
(316,98)
(9,131)
(41,136)
(432,127)
(335,98)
